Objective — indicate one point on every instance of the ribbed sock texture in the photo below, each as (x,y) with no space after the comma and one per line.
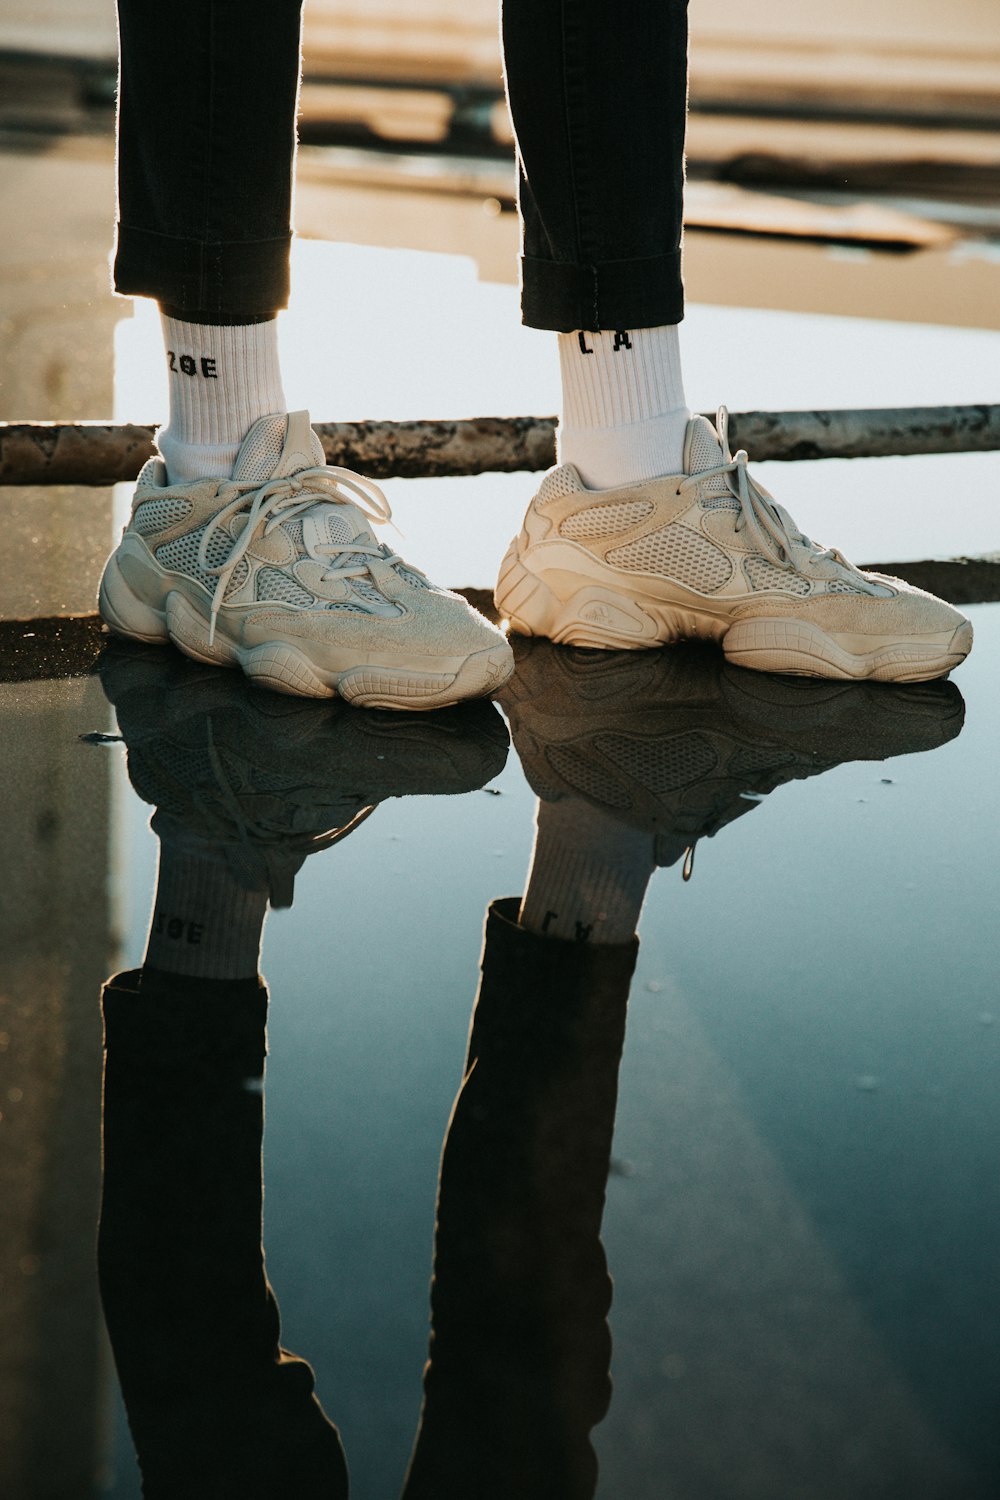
(221,380)
(204,923)
(624,413)
(588,875)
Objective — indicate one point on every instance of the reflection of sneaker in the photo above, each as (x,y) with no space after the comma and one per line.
(680,743)
(709,554)
(276,571)
(267,781)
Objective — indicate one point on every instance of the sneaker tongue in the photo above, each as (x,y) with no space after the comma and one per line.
(277,447)
(702,450)
(280,446)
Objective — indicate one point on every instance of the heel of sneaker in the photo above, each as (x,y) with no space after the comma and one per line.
(124,612)
(593,616)
(524,600)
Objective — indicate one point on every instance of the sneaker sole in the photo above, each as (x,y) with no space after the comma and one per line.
(604,620)
(286,669)
(801,648)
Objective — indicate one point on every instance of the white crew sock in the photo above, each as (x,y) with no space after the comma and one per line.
(588,876)
(205,921)
(624,413)
(222,378)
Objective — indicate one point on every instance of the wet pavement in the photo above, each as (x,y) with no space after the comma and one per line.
(801,1208)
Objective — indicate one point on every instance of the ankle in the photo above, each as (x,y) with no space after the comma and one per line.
(222,379)
(588,876)
(206,922)
(624,412)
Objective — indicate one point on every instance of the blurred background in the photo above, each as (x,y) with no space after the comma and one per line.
(862,125)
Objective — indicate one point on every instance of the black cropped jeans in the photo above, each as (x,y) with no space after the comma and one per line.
(597,91)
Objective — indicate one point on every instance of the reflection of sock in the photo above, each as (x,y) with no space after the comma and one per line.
(221,380)
(588,876)
(204,922)
(624,414)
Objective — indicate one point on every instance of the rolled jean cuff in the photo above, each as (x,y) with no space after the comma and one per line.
(641,293)
(224,278)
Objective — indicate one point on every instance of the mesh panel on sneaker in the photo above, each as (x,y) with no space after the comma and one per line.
(417,579)
(841,586)
(341,533)
(338,531)
(558,482)
(605,520)
(764,575)
(706,450)
(273,584)
(661,765)
(181,555)
(578,771)
(240,574)
(710,499)
(158,515)
(157,773)
(371,596)
(706,453)
(259,463)
(678,553)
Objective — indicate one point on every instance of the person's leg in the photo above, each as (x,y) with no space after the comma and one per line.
(520,1345)
(598,101)
(206,144)
(215,1404)
(206,138)
(650,529)
(598,104)
(244,548)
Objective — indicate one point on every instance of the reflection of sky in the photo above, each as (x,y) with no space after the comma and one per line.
(808,1104)
(807,1111)
(399,334)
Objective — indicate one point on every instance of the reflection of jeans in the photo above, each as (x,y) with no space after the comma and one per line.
(216,1406)
(207,123)
(518,1374)
(520,1345)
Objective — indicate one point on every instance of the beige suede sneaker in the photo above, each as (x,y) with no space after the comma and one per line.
(259,783)
(680,744)
(276,571)
(709,554)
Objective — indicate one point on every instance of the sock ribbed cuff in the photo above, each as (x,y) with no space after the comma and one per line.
(624,413)
(588,876)
(608,457)
(204,922)
(221,380)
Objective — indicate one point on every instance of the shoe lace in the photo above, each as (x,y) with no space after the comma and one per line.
(774,532)
(268,505)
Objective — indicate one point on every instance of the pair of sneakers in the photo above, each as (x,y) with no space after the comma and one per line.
(276,570)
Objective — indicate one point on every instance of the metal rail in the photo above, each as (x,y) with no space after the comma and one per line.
(96,453)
